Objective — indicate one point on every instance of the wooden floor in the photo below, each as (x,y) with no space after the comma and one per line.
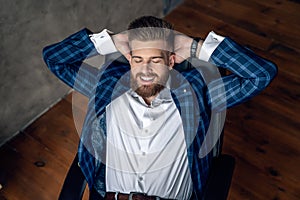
(262,134)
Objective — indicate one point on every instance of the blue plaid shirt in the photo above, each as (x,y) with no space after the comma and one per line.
(195,97)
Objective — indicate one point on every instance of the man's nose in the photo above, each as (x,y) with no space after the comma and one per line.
(146,66)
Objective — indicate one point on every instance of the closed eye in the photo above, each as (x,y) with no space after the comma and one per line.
(156,60)
(137,60)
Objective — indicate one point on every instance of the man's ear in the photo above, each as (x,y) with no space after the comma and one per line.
(171,61)
(128,57)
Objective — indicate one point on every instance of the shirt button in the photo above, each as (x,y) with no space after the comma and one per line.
(140,178)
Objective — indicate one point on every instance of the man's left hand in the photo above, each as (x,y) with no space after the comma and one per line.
(182,47)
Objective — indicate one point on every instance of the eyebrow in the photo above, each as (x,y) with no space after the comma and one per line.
(153,57)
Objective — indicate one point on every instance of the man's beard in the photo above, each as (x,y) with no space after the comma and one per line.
(146,91)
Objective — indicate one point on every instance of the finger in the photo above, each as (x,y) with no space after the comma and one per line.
(178,59)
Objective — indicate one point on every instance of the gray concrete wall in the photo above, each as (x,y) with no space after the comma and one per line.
(27,87)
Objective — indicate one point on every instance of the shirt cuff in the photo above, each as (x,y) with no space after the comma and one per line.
(103,42)
(210,43)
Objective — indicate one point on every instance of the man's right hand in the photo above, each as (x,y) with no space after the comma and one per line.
(121,42)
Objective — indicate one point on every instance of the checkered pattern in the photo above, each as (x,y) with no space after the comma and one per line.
(195,97)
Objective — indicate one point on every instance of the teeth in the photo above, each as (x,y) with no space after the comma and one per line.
(146,78)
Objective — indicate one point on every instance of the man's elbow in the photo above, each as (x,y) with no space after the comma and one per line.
(47,57)
(45,54)
(266,76)
(272,71)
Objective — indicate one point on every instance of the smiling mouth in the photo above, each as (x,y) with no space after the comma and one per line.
(147,78)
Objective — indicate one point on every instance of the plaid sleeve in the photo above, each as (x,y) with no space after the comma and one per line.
(250,74)
(65,60)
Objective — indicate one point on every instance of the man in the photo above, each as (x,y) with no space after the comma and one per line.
(146,121)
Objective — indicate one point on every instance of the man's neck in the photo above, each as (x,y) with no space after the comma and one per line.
(148,100)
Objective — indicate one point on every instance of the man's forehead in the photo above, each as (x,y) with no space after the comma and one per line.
(151,44)
(148,53)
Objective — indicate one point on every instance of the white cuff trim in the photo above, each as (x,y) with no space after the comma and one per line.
(103,42)
(210,43)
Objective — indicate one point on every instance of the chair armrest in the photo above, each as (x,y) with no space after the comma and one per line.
(74,184)
(219,181)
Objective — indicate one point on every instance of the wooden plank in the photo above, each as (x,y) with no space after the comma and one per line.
(263,148)
(209,23)
(261,179)
(260,137)
(77,100)
(193,27)
(287,102)
(284,9)
(24,179)
(252,20)
(52,165)
(251,183)
(287,65)
(56,130)
(264,123)
(54,141)
(79,108)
